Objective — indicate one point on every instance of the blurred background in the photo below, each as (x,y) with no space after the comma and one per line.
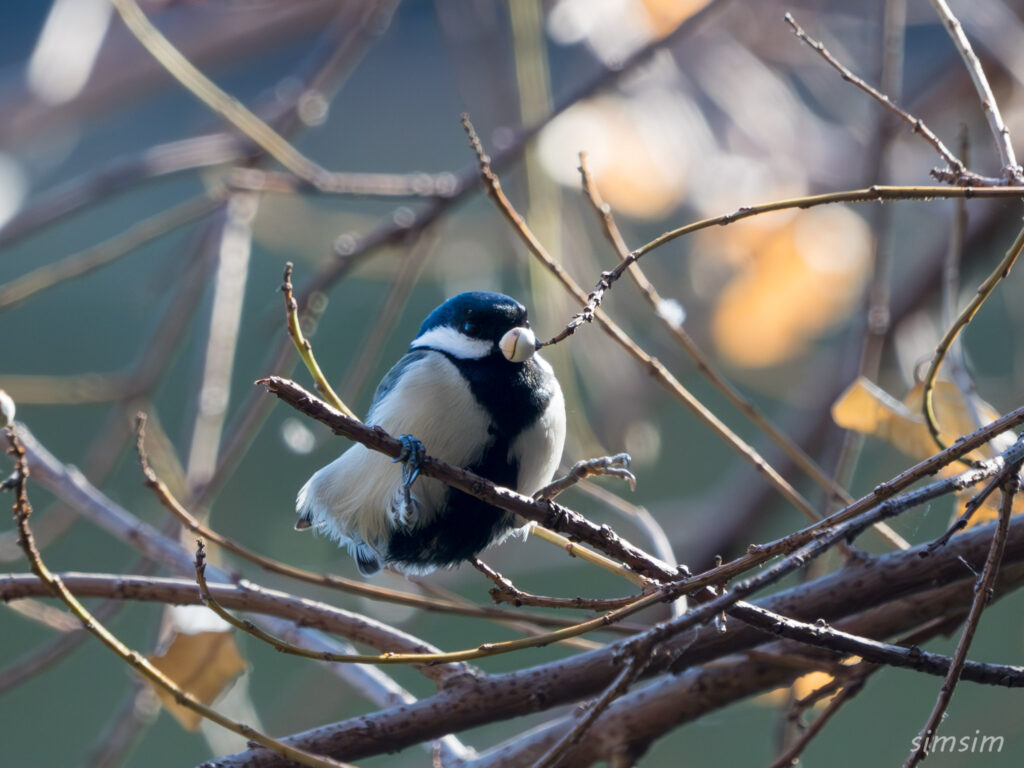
(140,268)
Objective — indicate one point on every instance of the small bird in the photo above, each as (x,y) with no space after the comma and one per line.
(470,391)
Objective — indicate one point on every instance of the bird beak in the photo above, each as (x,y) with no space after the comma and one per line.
(518,345)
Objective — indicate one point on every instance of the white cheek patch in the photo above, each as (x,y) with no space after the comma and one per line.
(452,342)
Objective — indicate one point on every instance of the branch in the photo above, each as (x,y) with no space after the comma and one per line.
(1011,169)
(91,259)
(963,176)
(821,635)
(547,513)
(68,485)
(305,349)
(506,592)
(704,365)
(856,588)
(873,194)
(650,364)
(352,586)
(983,594)
(963,319)
(137,661)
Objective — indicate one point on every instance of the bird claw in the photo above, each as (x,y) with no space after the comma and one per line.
(611,466)
(412,456)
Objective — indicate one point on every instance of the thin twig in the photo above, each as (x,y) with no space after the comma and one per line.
(916,124)
(236,113)
(305,349)
(847,685)
(51,652)
(639,516)
(373,344)
(632,667)
(468,654)
(957,361)
(138,662)
(574,549)
(506,592)
(821,635)
(428,656)
(384,185)
(1012,172)
(873,194)
(233,247)
(102,254)
(525,626)
(1001,271)
(118,176)
(970,508)
(983,593)
(850,689)
(706,367)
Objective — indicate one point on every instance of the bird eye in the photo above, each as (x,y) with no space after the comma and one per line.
(470,328)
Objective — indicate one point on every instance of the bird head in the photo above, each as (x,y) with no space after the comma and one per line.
(475,324)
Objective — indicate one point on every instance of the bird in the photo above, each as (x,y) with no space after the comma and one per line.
(471,391)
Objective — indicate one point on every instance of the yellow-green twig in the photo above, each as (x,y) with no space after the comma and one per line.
(305,349)
(583,553)
(468,654)
(961,322)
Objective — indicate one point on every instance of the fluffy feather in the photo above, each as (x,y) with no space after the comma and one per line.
(350,499)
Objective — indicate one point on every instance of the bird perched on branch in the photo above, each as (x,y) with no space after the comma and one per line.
(474,391)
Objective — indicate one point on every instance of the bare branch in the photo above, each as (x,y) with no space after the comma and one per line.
(1012,172)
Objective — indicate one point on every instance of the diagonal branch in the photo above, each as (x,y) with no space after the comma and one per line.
(983,593)
(1012,171)
(917,125)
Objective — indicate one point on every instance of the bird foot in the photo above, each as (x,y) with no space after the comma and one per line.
(412,456)
(608,466)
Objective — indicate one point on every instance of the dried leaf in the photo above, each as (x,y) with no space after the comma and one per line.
(988,511)
(204,664)
(867,408)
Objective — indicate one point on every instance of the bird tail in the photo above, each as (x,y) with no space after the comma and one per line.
(367,560)
(304,506)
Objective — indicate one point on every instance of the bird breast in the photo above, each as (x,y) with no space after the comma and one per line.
(430,401)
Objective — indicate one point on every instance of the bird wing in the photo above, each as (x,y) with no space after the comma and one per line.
(391,378)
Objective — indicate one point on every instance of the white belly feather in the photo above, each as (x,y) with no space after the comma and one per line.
(351,496)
